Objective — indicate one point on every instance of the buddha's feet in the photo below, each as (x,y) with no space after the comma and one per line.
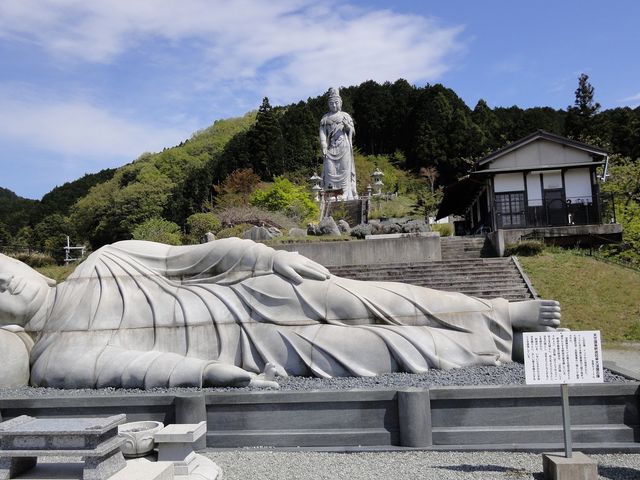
(535,315)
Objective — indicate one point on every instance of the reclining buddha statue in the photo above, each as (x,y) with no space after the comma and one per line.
(138,314)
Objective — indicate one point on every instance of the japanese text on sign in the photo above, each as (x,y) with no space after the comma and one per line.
(562,357)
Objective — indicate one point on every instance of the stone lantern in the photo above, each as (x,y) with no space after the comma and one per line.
(377,181)
(315,186)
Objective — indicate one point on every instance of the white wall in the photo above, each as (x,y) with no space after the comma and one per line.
(534,191)
(508,182)
(552,179)
(541,153)
(578,185)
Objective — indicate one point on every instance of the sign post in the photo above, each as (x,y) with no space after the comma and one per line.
(552,358)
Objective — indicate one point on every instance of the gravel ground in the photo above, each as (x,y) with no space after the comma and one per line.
(508,374)
(243,464)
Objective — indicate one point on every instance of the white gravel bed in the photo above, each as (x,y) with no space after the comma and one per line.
(267,465)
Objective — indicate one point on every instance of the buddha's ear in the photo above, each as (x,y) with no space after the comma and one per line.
(50,281)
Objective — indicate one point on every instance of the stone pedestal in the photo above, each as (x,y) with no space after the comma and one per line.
(24,439)
(579,467)
(176,444)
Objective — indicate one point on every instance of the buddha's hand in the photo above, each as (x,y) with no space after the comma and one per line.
(295,267)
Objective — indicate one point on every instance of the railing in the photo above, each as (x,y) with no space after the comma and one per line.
(565,211)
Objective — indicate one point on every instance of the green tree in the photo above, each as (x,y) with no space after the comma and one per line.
(427,203)
(489,125)
(5,236)
(200,223)
(50,235)
(158,230)
(283,196)
(266,142)
(237,188)
(578,122)
(300,135)
(23,238)
(624,183)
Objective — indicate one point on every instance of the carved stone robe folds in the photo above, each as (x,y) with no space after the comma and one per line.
(142,314)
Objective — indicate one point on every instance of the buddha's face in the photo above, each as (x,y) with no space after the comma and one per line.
(335,105)
(23,291)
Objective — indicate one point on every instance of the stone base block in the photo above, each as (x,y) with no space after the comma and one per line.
(10,467)
(144,469)
(101,468)
(579,467)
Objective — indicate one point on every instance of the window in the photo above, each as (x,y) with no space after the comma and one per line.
(510,209)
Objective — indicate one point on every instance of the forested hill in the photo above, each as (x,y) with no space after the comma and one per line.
(15,211)
(419,127)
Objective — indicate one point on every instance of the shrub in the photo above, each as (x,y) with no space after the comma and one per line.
(200,223)
(158,230)
(444,229)
(35,259)
(361,231)
(527,248)
(283,196)
(230,216)
(235,231)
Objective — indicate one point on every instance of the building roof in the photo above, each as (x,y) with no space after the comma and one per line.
(541,134)
(493,171)
(460,195)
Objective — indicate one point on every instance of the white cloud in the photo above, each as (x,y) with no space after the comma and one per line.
(633,98)
(78,128)
(290,46)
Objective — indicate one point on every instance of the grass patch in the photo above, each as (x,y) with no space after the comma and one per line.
(594,295)
(58,272)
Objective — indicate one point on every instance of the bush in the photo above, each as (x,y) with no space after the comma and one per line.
(235,231)
(158,230)
(444,229)
(35,260)
(527,248)
(230,216)
(283,196)
(200,223)
(361,231)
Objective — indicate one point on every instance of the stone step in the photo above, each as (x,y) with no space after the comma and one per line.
(460,273)
(487,292)
(459,264)
(438,277)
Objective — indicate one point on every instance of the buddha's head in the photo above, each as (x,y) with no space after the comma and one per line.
(23,291)
(334,101)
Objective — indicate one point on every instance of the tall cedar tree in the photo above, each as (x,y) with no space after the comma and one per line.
(266,142)
(578,123)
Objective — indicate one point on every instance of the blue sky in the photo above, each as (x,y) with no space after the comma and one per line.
(90,84)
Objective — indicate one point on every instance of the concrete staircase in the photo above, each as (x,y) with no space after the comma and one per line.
(462,269)
(465,247)
(480,277)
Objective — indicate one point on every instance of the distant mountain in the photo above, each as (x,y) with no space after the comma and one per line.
(60,199)
(15,211)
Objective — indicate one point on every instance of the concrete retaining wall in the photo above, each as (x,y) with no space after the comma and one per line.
(567,235)
(604,417)
(378,250)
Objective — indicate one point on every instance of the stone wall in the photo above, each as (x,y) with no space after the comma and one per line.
(394,248)
(604,417)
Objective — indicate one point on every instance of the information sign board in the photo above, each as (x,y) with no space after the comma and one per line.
(562,357)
